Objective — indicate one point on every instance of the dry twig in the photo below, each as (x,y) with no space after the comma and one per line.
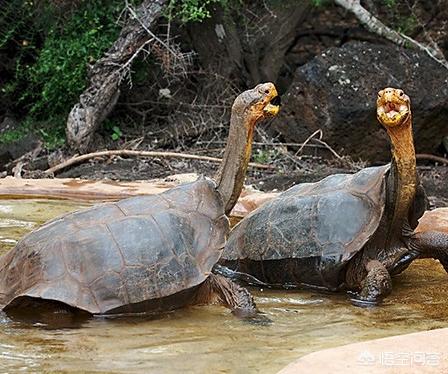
(427,156)
(127,152)
(308,139)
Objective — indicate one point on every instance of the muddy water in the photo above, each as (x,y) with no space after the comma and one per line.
(209,339)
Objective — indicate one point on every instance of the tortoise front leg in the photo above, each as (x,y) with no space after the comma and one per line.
(375,286)
(218,289)
(432,244)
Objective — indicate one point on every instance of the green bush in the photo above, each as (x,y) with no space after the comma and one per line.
(52,43)
(192,10)
(54,50)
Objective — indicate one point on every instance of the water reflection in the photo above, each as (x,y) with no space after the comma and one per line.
(206,339)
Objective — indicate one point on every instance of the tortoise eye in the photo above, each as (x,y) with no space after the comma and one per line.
(401,93)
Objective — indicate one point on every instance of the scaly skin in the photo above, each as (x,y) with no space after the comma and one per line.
(401,246)
(231,174)
(249,108)
(394,113)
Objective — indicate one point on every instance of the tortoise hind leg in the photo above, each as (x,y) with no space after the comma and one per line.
(218,289)
(374,287)
(49,313)
(432,244)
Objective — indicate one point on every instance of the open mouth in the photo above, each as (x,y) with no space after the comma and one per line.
(392,112)
(273,106)
(276,101)
(392,109)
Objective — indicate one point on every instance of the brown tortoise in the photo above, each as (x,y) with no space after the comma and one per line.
(146,253)
(346,231)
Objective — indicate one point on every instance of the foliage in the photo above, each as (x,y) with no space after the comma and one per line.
(50,46)
(192,10)
(407,25)
(113,128)
(53,45)
(401,18)
(265,156)
(59,73)
(52,136)
(390,3)
(10,136)
(319,3)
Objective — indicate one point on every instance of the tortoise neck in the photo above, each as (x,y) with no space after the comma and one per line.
(404,172)
(231,173)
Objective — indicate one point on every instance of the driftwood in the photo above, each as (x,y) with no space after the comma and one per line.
(83,189)
(97,101)
(104,190)
(126,152)
(374,25)
(434,220)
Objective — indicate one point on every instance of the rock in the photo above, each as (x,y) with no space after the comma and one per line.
(14,150)
(8,124)
(337,90)
(422,352)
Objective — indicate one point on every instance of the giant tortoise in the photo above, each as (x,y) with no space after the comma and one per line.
(146,253)
(346,231)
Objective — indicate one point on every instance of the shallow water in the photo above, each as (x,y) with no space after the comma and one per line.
(206,339)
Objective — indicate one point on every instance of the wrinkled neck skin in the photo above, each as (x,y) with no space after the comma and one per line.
(402,178)
(232,172)
(401,185)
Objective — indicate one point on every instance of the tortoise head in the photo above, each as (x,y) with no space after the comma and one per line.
(393,107)
(258,103)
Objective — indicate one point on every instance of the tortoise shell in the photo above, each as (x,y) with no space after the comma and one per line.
(120,257)
(320,226)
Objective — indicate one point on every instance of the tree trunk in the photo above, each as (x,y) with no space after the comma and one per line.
(249,50)
(98,100)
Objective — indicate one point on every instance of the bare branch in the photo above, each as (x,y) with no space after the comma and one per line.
(426,156)
(126,152)
(308,139)
(373,24)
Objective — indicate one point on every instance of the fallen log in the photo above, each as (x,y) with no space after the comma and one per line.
(83,189)
(108,190)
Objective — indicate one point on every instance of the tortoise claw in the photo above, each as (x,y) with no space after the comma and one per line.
(360,301)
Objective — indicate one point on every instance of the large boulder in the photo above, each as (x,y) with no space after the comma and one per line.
(337,91)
